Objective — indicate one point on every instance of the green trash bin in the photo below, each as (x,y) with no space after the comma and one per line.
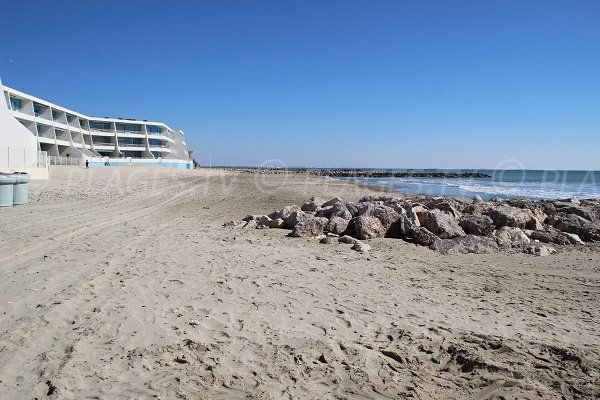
(7,188)
(21,190)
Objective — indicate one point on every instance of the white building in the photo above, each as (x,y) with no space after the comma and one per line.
(35,132)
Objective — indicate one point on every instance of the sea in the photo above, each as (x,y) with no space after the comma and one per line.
(503,184)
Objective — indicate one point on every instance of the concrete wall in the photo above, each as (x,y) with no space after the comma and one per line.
(13,135)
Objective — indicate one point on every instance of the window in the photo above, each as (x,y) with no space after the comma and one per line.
(100,125)
(37,109)
(15,104)
(154,142)
(54,115)
(153,129)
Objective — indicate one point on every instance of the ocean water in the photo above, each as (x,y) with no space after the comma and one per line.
(505,184)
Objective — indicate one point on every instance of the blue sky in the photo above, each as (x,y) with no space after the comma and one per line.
(441,84)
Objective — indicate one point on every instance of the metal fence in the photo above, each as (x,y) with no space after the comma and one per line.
(55,160)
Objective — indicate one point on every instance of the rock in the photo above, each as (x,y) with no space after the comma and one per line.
(509,236)
(233,224)
(405,226)
(573,238)
(540,251)
(324,212)
(465,244)
(447,207)
(368,227)
(250,224)
(264,222)
(423,237)
(277,223)
(326,240)
(387,216)
(477,199)
(569,208)
(338,209)
(535,225)
(440,223)
(572,223)
(296,217)
(287,212)
(505,215)
(332,202)
(352,209)
(348,240)
(477,224)
(362,247)
(313,204)
(249,217)
(337,225)
(310,227)
(194,322)
(551,235)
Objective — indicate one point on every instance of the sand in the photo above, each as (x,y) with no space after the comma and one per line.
(122,283)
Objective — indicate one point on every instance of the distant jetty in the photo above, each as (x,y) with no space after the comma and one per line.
(361,173)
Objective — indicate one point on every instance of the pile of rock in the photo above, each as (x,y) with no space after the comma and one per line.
(446,225)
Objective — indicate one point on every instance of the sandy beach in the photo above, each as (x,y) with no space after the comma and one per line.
(122,283)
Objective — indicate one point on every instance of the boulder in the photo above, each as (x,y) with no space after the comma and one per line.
(423,237)
(477,199)
(535,225)
(509,236)
(326,240)
(338,209)
(447,207)
(572,223)
(250,224)
(250,217)
(465,244)
(362,247)
(332,202)
(337,225)
(570,208)
(264,222)
(287,211)
(477,224)
(505,215)
(573,238)
(540,251)
(352,209)
(310,227)
(368,227)
(277,223)
(313,204)
(440,223)
(550,235)
(348,240)
(404,226)
(296,217)
(233,224)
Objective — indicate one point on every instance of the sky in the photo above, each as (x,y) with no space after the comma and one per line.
(329,83)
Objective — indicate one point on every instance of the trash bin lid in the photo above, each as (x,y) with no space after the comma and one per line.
(21,177)
(7,180)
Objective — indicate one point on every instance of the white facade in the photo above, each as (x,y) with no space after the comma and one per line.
(69,137)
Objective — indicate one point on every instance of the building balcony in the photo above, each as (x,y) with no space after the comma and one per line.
(132,146)
(104,146)
(161,149)
(102,132)
(131,134)
(22,115)
(48,140)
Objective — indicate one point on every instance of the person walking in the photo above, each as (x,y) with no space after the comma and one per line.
(87,163)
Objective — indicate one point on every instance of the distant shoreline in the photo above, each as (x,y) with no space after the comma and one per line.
(359,173)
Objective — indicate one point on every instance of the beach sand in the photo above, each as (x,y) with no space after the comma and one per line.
(122,283)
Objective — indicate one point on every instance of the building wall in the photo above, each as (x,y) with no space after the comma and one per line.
(18,145)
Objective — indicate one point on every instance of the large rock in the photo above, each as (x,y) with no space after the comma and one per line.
(505,215)
(297,217)
(551,235)
(569,208)
(312,226)
(572,223)
(477,224)
(405,226)
(332,202)
(449,208)
(352,209)
(465,244)
(509,236)
(286,212)
(277,223)
(264,222)
(337,225)
(440,223)
(423,237)
(313,204)
(368,227)
(338,209)
(540,251)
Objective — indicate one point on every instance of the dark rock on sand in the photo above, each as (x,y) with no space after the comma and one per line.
(477,224)
(465,244)
(440,223)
